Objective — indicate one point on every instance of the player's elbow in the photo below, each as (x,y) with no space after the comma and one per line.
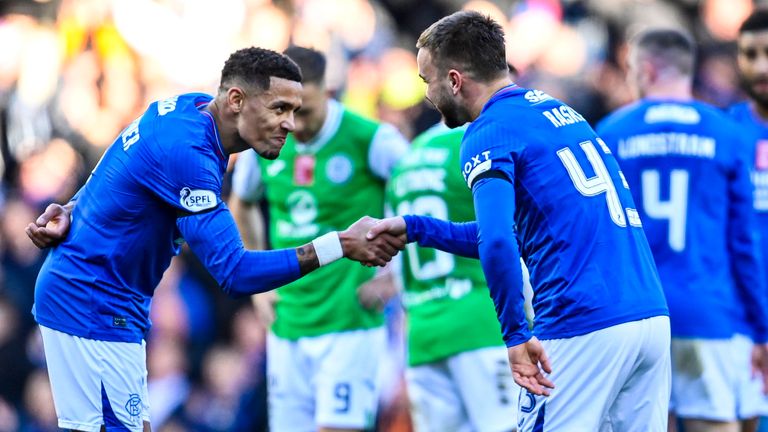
(497,248)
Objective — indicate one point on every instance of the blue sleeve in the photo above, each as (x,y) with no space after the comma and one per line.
(499,255)
(458,238)
(743,248)
(488,156)
(187,175)
(213,237)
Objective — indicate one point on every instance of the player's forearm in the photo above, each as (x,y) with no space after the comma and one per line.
(261,271)
(307,258)
(499,256)
(452,237)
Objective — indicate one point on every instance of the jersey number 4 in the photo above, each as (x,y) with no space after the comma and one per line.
(674,210)
(600,183)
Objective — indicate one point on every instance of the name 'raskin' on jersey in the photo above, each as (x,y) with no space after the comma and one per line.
(564,208)
(687,166)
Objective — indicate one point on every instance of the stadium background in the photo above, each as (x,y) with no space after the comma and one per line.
(73,73)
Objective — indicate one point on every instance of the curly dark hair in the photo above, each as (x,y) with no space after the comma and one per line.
(254,67)
(468,40)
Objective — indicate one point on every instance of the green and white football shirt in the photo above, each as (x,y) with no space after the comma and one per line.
(314,188)
(449,310)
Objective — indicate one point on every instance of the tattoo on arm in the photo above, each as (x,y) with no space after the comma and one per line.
(307,258)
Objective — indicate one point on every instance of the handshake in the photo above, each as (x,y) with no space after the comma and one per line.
(373,242)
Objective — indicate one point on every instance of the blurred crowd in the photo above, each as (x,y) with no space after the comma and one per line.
(73,73)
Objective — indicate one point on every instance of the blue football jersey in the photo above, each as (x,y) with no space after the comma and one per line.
(688,170)
(755,131)
(156,186)
(574,217)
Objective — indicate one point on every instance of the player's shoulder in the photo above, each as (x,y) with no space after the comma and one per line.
(709,110)
(355,123)
(535,115)
(620,117)
(179,118)
(741,112)
(438,135)
(434,147)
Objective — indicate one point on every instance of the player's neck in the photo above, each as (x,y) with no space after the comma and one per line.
(227,130)
(678,90)
(484,93)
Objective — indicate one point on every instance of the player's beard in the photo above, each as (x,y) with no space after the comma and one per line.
(454,115)
(761,99)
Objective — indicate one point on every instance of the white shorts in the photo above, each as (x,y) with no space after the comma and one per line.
(613,379)
(712,380)
(96,383)
(324,381)
(469,392)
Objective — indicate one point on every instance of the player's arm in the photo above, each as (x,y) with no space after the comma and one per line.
(213,237)
(743,248)
(458,238)
(498,250)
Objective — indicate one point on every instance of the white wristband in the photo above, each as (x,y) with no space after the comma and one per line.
(328,248)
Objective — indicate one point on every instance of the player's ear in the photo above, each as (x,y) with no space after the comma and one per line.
(649,72)
(455,80)
(235,98)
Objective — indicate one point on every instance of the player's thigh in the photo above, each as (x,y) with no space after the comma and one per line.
(97,383)
(348,363)
(704,379)
(693,425)
(487,389)
(642,403)
(436,405)
(290,396)
(588,371)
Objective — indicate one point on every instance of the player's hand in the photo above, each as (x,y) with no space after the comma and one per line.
(375,252)
(760,364)
(375,293)
(394,226)
(527,361)
(265,306)
(51,227)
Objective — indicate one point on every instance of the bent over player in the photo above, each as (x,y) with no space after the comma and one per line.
(156,187)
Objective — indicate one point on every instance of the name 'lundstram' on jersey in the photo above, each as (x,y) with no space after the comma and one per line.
(575,220)
(687,166)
